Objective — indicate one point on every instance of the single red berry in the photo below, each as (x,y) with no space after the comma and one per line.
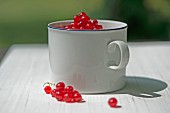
(59,95)
(85,18)
(75,26)
(94,21)
(60,86)
(77,97)
(89,25)
(82,23)
(69,89)
(82,14)
(53,92)
(112,102)
(69,97)
(98,27)
(77,19)
(48,89)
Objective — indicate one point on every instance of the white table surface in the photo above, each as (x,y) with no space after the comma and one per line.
(25,68)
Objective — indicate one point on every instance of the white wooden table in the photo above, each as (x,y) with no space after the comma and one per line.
(25,68)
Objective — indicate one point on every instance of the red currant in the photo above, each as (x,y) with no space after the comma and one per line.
(48,89)
(82,23)
(112,102)
(60,86)
(75,26)
(53,92)
(94,21)
(85,18)
(59,95)
(69,89)
(89,25)
(82,14)
(98,27)
(77,97)
(77,19)
(69,97)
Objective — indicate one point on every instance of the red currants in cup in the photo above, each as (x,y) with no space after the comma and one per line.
(83,22)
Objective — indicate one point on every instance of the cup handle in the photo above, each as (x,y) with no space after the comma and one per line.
(124,53)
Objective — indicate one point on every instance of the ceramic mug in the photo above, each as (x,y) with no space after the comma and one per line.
(93,61)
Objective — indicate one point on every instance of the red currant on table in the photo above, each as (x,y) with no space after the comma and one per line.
(48,89)
(77,97)
(112,102)
(69,97)
(60,86)
(69,89)
(59,95)
(62,93)
(53,92)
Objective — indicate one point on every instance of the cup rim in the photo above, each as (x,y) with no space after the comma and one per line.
(122,25)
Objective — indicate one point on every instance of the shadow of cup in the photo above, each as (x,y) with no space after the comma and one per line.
(142,87)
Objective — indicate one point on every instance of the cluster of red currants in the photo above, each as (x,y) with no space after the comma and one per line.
(69,94)
(83,22)
(64,94)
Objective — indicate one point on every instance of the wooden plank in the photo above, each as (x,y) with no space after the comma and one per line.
(25,68)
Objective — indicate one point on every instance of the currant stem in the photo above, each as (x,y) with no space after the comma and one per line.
(49,83)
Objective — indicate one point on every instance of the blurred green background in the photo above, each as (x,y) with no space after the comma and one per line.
(25,21)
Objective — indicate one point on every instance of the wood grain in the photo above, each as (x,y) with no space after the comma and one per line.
(25,68)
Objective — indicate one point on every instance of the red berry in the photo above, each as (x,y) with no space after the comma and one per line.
(98,27)
(53,92)
(59,95)
(94,21)
(69,97)
(48,89)
(77,97)
(89,25)
(69,89)
(112,102)
(82,23)
(85,18)
(77,19)
(60,86)
(75,26)
(82,14)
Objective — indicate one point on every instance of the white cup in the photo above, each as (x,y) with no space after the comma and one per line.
(93,61)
